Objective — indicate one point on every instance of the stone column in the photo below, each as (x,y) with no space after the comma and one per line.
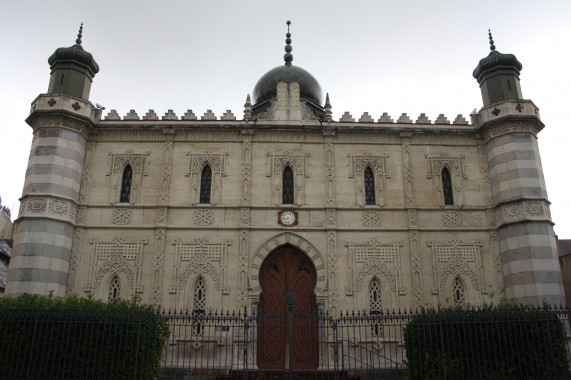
(521,209)
(46,223)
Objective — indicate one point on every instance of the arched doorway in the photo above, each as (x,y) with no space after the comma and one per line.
(287,268)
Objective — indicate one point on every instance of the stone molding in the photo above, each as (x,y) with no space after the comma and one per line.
(527,210)
(505,127)
(60,209)
(39,121)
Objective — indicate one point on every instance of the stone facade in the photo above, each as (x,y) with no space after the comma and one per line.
(427,212)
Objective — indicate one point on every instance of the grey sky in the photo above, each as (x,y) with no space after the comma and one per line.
(370,56)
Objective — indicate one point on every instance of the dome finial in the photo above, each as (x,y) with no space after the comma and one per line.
(78,41)
(492,46)
(288,57)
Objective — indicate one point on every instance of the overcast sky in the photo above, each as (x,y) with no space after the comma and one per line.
(370,56)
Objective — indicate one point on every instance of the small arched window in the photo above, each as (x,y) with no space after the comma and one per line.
(205,184)
(369,186)
(126,184)
(114,289)
(458,291)
(287,186)
(199,306)
(375,304)
(447,187)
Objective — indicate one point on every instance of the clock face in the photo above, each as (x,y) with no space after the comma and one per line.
(288,218)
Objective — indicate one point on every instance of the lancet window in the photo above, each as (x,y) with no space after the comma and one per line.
(287,185)
(369,186)
(126,184)
(114,289)
(205,184)
(458,290)
(447,187)
(375,303)
(199,306)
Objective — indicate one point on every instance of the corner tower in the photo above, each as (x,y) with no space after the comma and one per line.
(61,121)
(521,216)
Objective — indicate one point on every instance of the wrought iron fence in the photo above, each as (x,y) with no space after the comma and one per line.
(352,345)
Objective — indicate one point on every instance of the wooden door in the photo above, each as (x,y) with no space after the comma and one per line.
(287,268)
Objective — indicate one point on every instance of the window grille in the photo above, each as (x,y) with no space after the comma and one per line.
(369,186)
(458,290)
(205,184)
(375,303)
(126,184)
(447,187)
(199,307)
(114,289)
(287,186)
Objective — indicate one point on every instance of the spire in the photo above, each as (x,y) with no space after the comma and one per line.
(492,46)
(78,41)
(288,57)
(328,116)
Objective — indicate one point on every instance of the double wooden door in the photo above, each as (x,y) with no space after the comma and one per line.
(285,269)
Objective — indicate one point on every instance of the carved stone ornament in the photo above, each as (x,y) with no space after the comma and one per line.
(519,211)
(116,164)
(357,167)
(195,164)
(53,208)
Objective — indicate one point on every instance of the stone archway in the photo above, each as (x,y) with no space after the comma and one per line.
(287,269)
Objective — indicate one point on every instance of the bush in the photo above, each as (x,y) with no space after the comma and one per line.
(492,342)
(79,338)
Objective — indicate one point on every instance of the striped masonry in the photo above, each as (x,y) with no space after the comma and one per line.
(44,235)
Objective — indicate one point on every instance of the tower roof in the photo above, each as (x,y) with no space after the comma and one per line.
(495,59)
(75,53)
(308,85)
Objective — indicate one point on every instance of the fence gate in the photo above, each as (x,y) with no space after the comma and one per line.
(287,318)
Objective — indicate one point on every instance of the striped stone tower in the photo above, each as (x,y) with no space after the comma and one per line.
(521,213)
(61,120)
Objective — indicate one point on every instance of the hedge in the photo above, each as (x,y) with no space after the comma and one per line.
(492,342)
(79,338)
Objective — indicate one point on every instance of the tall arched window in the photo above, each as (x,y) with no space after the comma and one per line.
(114,289)
(126,184)
(447,187)
(287,185)
(205,184)
(369,186)
(458,290)
(199,306)
(375,303)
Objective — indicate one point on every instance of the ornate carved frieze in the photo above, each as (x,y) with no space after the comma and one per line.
(456,258)
(122,216)
(416,267)
(243,266)
(195,163)
(200,258)
(518,212)
(455,165)
(332,271)
(158,259)
(119,257)
(53,208)
(357,167)
(203,217)
(116,164)
(375,258)
(275,164)
(511,126)
(40,121)
(371,219)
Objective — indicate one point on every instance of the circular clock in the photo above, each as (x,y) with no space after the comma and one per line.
(287,218)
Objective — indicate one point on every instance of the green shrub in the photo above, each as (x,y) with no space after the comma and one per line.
(491,342)
(79,338)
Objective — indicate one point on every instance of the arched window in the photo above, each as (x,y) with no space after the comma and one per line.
(287,186)
(375,303)
(199,306)
(126,184)
(369,186)
(205,184)
(447,187)
(458,290)
(114,289)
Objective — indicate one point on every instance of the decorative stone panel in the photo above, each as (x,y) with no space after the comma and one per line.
(275,164)
(194,165)
(357,167)
(53,208)
(455,165)
(116,164)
